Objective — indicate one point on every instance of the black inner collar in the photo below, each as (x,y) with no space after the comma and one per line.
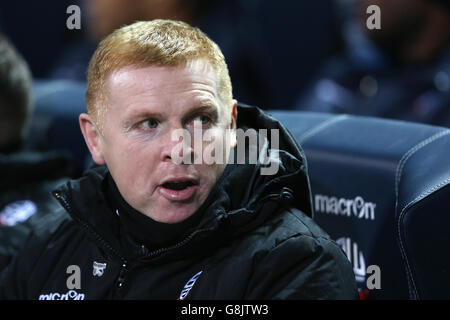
(143,229)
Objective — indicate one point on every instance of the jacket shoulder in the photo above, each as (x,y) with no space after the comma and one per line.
(44,228)
(290,222)
(38,233)
(298,223)
(298,260)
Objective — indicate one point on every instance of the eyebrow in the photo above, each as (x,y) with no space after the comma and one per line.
(138,116)
(201,107)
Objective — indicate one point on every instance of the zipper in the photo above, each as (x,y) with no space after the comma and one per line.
(190,236)
(285,195)
(122,274)
(66,204)
(173,247)
(124,269)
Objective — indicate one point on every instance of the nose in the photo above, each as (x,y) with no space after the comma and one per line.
(177,146)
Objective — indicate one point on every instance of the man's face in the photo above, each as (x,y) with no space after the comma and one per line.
(145,106)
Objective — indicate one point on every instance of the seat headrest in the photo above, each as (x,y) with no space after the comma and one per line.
(54,126)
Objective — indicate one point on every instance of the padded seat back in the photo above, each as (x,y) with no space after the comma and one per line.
(381,189)
(54,125)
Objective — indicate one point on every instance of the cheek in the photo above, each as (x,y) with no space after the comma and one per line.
(210,176)
(132,161)
(214,162)
(215,146)
(134,170)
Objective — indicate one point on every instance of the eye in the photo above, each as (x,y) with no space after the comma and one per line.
(148,124)
(202,120)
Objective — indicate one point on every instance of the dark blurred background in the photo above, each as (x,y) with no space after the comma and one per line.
(273,48)
(285,54)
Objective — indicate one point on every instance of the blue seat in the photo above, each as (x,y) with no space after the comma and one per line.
(54,124)
(381,190)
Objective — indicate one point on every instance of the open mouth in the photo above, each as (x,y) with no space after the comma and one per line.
(179,190)
(178,185)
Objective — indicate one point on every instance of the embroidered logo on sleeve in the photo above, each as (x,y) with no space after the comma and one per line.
(98,269)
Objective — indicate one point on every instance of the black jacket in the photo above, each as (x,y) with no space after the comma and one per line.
(26,182)
(256,241)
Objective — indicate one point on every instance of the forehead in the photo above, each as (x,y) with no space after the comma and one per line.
(195,79)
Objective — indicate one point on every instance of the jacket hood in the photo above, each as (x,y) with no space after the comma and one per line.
(242,198)
(292,174)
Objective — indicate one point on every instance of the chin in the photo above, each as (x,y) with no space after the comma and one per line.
(176,215)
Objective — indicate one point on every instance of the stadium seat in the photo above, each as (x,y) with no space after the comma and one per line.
(54,125)
(381,189)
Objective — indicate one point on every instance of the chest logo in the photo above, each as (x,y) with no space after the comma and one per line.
(98,269)
(189,286)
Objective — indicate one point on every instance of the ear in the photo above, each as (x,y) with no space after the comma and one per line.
(92,138)
(233,124)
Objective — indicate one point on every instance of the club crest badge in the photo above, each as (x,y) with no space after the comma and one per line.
(98,269)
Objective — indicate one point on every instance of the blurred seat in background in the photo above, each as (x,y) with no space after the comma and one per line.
(26,177)
(381,189)
(54,125)
(401,71)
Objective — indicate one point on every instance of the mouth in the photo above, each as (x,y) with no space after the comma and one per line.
(178,185)
(178,189)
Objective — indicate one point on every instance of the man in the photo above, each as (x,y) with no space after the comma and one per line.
(400,71)
(145,225)
(26,178)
